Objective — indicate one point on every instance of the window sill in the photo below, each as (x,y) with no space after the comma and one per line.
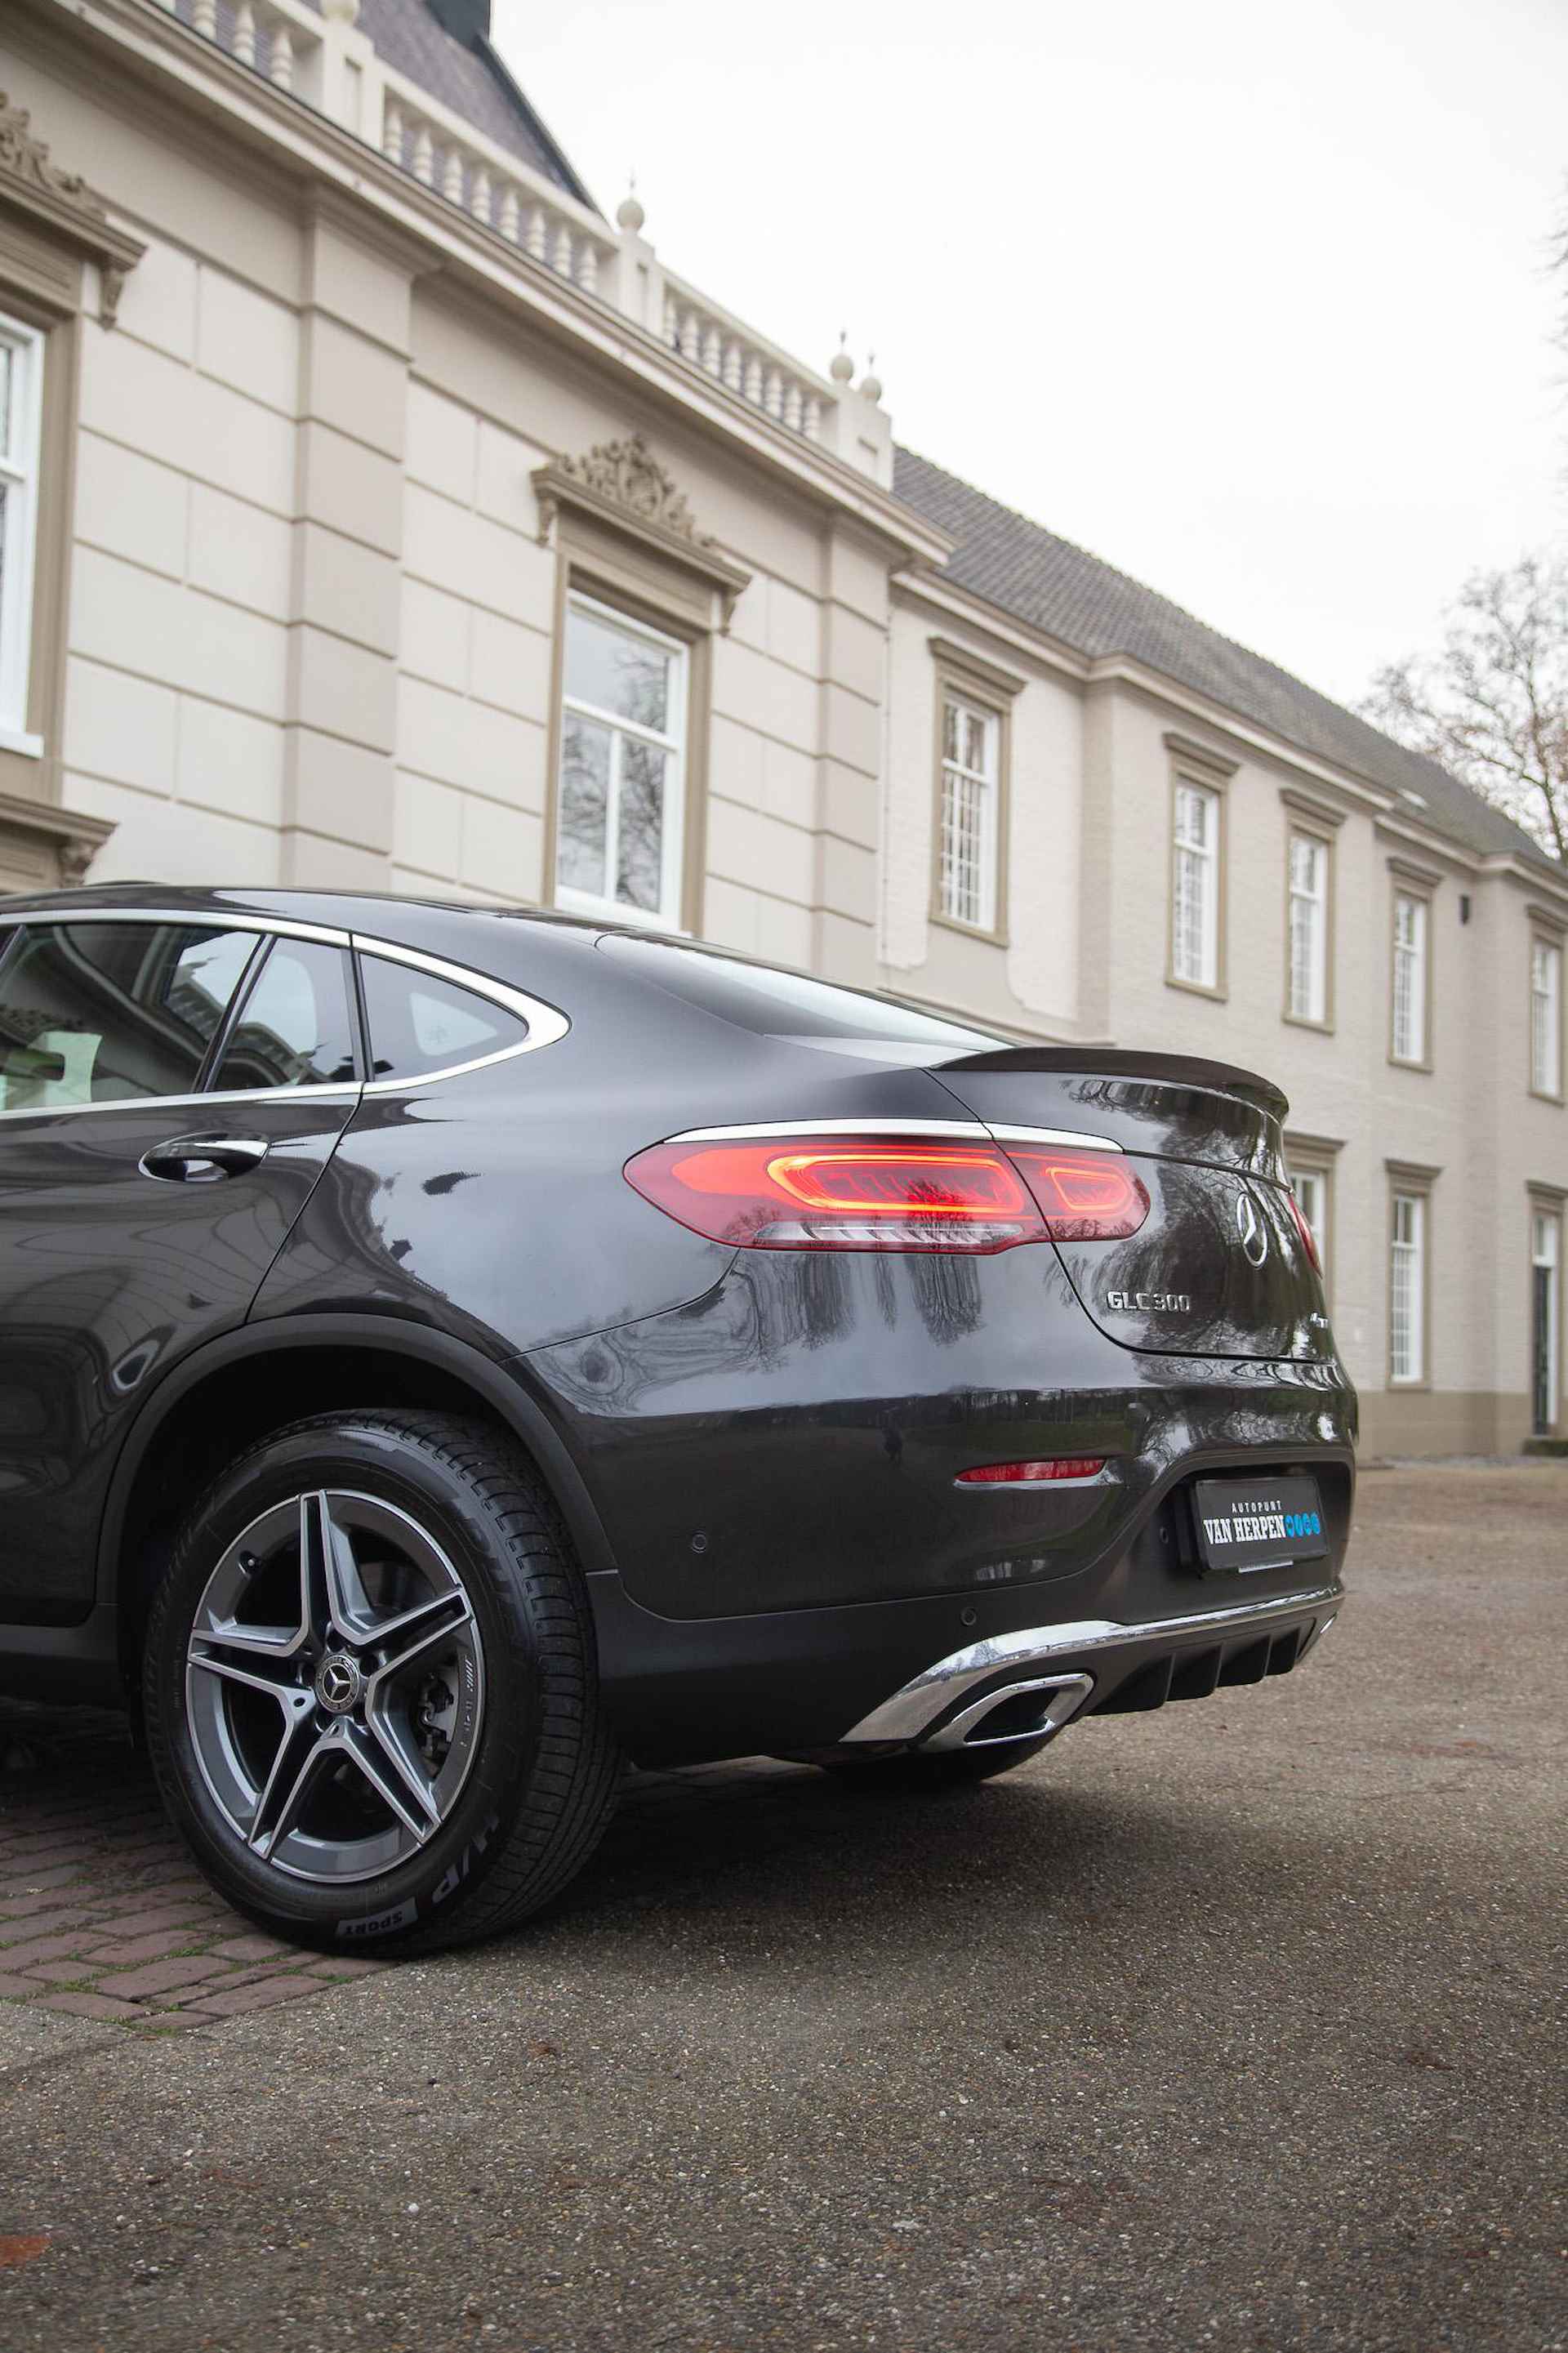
(1545,1095)
(1214,990)
(1402,1062)
(12,739)
(1324,1026)
(981,931)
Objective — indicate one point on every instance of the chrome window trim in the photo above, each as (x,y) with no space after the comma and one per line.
(906,1712)
(221,921)
(546,1024)
(326,1091)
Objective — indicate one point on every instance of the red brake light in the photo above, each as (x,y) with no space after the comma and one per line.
(1028,1474)
(1084,1196)
(809,1192)
(1308,1239)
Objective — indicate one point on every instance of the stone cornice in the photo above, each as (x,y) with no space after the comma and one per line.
(954,655)
(1310,809)
(62,205)
(1187,750)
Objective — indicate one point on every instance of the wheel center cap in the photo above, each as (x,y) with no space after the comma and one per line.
(339,1683)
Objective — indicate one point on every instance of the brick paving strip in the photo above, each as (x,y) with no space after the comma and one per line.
(102,1913)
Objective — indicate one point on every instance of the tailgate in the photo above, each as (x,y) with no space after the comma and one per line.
(1219,1267)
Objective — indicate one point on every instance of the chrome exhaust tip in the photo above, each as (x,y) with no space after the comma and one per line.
(1036,1710)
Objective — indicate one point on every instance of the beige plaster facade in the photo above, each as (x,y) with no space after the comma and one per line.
(332,441)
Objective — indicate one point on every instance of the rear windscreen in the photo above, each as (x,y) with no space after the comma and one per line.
(777,1003)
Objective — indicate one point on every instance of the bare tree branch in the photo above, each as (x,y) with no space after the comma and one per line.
(1492,704)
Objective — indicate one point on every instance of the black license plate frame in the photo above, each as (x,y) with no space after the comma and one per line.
(1243,1524)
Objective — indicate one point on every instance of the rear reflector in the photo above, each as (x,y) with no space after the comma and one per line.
(813,1192)
(1027,1475)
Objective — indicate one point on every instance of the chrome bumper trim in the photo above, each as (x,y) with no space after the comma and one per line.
(907,1714)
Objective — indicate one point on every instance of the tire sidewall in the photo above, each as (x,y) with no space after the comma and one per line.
(410,1471)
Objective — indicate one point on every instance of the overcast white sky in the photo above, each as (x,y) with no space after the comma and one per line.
(1251,301)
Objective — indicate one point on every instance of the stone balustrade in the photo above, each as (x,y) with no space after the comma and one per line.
(473,172)
(281,40)
(319,56)
(716,342)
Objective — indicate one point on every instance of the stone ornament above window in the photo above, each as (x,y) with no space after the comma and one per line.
(628,472)
(622,483)
(61,203)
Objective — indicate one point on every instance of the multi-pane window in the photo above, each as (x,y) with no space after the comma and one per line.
(1545,1346)
(1410,920)
(623,727)
(1308,928)
(1311,1186)
(967,854)
(1194,885)
(1407,1289)
(21,384)
(1546,1018)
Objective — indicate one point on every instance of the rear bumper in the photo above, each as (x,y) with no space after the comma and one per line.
(987,1693)
(894,1674)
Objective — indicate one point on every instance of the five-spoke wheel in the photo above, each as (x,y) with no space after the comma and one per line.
(369,1684)
(335,1685)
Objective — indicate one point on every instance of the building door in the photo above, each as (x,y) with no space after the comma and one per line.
(1545,1252)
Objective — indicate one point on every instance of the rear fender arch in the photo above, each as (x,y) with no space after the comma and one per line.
(500,1388)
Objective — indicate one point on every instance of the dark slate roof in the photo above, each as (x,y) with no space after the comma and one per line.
(1087,606)
(472,82)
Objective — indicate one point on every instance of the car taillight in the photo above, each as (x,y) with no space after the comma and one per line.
(812,1192)
(1084,1196)
(1308,1239)
(1030,1474)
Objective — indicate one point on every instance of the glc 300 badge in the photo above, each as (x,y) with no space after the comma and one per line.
(1151,1302)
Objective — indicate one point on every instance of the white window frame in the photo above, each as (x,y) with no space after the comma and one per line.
(1198,863)
(1411,979)
(1307,929)
(1407,1257)
(1546,1253)
(987,782)
(667,916)
(20,460)
(1545,1017)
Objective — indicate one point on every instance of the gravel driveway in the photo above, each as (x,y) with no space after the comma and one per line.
(1238,2026)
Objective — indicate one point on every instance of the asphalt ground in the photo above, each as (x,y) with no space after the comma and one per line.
(1240,2025)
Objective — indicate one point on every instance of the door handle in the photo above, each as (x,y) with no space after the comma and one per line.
(202,1159)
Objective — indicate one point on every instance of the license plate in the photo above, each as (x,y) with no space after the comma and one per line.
(1251,1524)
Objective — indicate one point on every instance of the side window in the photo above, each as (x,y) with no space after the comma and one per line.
(296,1027)
(419,1024)
(112,1012)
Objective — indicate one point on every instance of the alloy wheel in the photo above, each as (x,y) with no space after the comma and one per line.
(334,1686)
